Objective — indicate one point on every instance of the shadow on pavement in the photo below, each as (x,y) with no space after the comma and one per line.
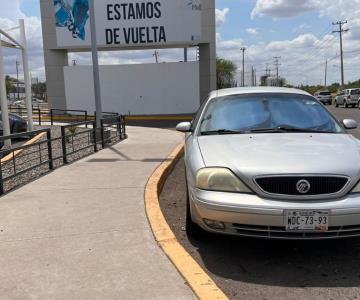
(331,263)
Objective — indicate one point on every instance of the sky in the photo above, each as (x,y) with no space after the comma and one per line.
(299,31)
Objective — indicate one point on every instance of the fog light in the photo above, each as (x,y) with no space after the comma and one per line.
(214,224)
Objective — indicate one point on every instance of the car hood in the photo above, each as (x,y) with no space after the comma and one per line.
(283,153)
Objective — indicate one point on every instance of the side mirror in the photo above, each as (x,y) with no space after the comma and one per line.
(350,124)
(184,127)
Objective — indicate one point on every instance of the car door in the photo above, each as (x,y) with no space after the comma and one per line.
(342,97)
(338,98)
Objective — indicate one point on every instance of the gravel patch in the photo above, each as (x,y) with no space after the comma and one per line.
(33,162)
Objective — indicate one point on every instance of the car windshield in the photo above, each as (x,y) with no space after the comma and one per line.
(355,92)
(266,112)
(325,93)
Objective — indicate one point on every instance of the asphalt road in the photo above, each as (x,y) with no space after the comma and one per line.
(264,269)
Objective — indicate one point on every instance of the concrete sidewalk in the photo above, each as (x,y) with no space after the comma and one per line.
(82,233)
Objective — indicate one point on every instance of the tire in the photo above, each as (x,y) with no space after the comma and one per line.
(345,104)
(192,229)
(336,104)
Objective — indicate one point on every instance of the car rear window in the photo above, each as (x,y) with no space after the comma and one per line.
(325,93)
(355,92)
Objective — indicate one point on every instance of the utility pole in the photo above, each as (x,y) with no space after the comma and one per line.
(267,70)
(252,76)
(340,31)
(277,64)
(17,79)
(156,54)
(326,66)
(243,66)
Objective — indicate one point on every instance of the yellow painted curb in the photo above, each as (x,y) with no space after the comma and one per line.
(201,284)
(10,156)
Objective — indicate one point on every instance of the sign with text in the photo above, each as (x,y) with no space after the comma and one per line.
(122,23)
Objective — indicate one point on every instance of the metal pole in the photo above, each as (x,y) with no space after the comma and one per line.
(3,100)
(340,31)
(342,58)
(95,60)
(326,65)
(50,154)
(17,79)
(26,75)
(243,66)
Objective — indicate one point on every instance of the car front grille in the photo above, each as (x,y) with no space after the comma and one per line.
(287,185)
(281,233)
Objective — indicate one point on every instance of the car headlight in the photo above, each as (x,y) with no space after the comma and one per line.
(221,180)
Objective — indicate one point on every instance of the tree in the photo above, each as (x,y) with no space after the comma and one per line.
(10,87)
(225,73)
(39,90)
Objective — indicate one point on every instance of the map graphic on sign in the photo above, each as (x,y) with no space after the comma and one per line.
(72,14)
(131,23)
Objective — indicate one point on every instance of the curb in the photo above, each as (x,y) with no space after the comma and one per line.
(17,152)
(201,284)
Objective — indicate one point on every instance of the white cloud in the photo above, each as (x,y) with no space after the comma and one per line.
(34,41)
(289,8)
(252,31)
(282,8)
(10,9)
(221,16)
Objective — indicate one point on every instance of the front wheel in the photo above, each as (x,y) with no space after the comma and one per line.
(336,104)
(345,104)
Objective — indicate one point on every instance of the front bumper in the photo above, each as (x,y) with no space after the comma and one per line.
(251,215)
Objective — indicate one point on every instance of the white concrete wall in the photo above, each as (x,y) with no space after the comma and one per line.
(165,88)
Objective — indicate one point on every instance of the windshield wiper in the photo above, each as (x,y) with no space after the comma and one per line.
(282,128)
(222,131)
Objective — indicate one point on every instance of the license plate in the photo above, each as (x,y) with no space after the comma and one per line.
(306,220)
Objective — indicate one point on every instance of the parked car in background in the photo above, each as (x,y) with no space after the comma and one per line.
(17,124)
(257,164)
(348,97)
(324,97)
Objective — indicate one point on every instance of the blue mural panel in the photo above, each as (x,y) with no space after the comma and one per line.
(72,14)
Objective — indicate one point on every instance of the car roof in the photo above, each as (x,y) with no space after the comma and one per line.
(256,90)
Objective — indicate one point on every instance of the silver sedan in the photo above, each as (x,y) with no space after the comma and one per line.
(271,163)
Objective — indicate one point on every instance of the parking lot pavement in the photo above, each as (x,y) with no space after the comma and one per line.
(342,113)
(81,232)
(262,269)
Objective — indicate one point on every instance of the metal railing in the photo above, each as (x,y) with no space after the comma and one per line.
(113,129)
(20,160)
(38,114)
(78,137)
(24,163)
(68,116)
